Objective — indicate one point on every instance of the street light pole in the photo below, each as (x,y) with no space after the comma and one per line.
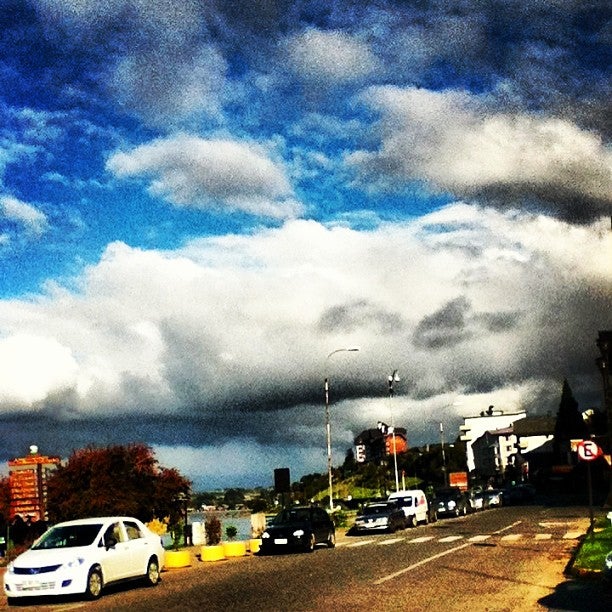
(443,453)
(393,378)
(328,427)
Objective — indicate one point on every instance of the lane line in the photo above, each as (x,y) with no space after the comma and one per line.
(450,538)
(391,541)
(434,557)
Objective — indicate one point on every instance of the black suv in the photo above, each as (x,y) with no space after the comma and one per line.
(298,528)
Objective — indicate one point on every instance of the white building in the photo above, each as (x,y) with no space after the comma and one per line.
(494,451)
(489,420)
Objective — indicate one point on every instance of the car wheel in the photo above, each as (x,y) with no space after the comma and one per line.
(412,521)
(93,589)
(464,510)
(152,575)
(331,540)
(310,545)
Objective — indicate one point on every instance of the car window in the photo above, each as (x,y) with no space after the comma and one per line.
(133,530)
(68,536)
(113,531)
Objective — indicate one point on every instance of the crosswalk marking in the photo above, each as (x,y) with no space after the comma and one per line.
(512,537)
(450,538)
(391,541)
(479,538)
(420,540)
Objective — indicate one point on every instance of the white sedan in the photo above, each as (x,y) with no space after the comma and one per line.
(83,556)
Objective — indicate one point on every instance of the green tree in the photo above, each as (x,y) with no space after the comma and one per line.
(569,425)
(123,480)
(233,498)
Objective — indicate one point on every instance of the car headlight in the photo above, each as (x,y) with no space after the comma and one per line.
(298,533)
(10,568)
(451,504)
(265,535)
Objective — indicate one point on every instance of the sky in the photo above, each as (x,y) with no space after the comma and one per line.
(202,202)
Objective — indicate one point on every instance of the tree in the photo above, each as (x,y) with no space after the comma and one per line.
(116,480)
(569,425)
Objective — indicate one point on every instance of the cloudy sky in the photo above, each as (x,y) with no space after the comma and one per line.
(200,201)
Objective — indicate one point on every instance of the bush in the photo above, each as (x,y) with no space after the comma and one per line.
(231,532)
(212,527)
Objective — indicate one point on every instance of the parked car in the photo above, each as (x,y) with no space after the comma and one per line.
(607,568)
(298,528)
(83,556)
(476,501)
(414,504)
(523,493)
(450,502)
(493,498)
(380,516)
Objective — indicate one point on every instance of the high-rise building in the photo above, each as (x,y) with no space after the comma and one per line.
(28,482)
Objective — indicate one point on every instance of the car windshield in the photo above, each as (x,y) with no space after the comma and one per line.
(68,536)
(379,509)
(404,501)
(293,515)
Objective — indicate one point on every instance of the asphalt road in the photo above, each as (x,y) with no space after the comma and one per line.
(504,559)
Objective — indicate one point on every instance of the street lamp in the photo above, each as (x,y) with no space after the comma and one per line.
(328,425)
(443,453)
(393,378)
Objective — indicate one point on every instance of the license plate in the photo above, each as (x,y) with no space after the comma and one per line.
(280,541)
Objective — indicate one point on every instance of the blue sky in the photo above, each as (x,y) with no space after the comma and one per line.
(200,201)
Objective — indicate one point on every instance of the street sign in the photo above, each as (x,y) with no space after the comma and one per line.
(588,450)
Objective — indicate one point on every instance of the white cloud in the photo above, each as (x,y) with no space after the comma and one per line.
(451,140)
(33,220)
(329,57)
(191,171)
(32,367)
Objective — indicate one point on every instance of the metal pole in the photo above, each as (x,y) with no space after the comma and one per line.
(328,428)
(329,447)
(393,378)
(443,453)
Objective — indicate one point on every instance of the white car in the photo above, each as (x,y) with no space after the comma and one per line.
(83,556)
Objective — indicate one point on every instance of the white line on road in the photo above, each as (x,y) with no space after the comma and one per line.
(433,558)
(360,543)
(450,539)
(573,535)
(421,540)
(543,536)
(418,564)
(479,538)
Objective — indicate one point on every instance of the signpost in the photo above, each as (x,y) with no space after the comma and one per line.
(588,451)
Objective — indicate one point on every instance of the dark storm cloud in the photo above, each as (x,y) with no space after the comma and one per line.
(445,327)
(347,318)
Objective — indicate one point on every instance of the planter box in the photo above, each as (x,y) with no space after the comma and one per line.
(235,549)
(212,553)
(254,545)
(177,558)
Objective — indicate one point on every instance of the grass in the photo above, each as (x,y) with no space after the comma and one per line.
(595,547)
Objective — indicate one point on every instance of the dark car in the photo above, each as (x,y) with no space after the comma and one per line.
(299,528)
(380,516)
(450,502)
(516,495)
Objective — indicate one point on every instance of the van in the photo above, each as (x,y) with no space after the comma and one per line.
(414,504)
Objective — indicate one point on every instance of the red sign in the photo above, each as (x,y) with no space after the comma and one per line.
(588,450)
(458,479)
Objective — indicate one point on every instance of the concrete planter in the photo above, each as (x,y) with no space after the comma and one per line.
(254,545)
(177,558)
(212,553)
(235,549)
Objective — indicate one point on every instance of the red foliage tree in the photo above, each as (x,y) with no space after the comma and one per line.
(116,480)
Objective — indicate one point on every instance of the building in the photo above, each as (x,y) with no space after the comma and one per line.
(28,483)
(489,420)
(374,445)
(494,452)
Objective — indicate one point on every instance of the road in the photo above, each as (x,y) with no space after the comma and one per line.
(504,559)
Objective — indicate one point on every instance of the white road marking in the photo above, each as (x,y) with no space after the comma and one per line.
(479,538)
(543,536)
(360,543)
(450,539)
(420,540)
(391,541)
(513,537)
(573,535)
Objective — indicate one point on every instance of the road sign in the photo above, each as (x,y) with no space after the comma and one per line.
(588,450)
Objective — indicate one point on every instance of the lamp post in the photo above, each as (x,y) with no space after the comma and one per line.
(328,425)
(393,378)
(443,453)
